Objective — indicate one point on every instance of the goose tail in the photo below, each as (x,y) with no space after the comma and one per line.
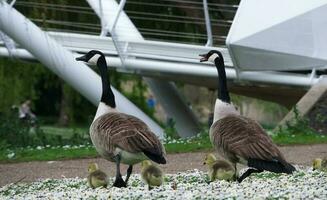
(272,166)
(160,159)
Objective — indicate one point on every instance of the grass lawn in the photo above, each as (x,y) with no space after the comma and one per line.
(198,143)
(65,132)
(284,139)
(33,154)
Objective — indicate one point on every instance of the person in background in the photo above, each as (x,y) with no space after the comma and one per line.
(151,102)
(25,113)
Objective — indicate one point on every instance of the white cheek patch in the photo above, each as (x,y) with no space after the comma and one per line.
(94,59)
(213,57)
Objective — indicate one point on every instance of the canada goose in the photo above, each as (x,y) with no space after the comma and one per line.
(320,164)
(119,137)
(151,174)
(96,177)
(219,169)
(240,139)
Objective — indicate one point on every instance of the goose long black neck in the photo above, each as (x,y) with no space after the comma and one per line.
(223,93)
(107,94)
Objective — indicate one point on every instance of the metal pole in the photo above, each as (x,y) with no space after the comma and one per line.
(208,23)
(114,35)
(120,8)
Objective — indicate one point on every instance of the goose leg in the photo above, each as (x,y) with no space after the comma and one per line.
(129,172)
(248,173)
(119,182)
(235,174)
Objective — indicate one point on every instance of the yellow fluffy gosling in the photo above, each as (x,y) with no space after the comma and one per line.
(219,169)
(151,174)
(96,177)
(320,164)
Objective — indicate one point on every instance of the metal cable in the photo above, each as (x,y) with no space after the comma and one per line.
(176,16)
(97,27)
(178,6)
(135,15)
(176,21)
(24,3)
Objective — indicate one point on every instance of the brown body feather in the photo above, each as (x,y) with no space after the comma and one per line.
(126,132)
(238,139)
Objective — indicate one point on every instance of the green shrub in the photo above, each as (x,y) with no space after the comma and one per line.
(298,125)
(18,133)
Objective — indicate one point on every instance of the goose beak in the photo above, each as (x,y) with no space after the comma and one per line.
(82,58)
(204,57)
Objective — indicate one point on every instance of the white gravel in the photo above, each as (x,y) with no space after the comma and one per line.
(303,184)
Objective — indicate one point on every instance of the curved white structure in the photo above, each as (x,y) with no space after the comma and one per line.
(279,35)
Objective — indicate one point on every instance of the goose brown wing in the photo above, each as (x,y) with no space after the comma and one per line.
(128,133)
(243,137)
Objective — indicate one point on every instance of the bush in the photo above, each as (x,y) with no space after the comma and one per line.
(298,125)
(17,133)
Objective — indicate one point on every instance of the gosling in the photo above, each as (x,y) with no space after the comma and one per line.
(320,164)
(219,169)
(96,177)
(151,174)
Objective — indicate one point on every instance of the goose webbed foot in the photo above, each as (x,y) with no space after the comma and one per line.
(248,173)
(119,182)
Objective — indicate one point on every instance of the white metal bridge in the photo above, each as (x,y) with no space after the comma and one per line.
(129,52)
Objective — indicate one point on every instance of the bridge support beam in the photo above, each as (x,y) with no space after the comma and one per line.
(313,105)
(166,93)
(62,62)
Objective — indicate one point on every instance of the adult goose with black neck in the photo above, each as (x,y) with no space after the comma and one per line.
(119,137)
(240,139)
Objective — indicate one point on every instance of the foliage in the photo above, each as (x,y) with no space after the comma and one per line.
(137,96)
(170,129)
(17,81)
(299,125)
(15,133)
(297,131)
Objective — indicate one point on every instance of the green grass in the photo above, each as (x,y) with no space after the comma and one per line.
(65,132)
(298,139)
(198,143)
(46,154)
(189,147)
(195,144)
(23,155)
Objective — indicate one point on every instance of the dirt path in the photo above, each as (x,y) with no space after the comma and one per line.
(32,171)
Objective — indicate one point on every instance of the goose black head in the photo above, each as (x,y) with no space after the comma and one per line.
(210,56)
(91,57)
